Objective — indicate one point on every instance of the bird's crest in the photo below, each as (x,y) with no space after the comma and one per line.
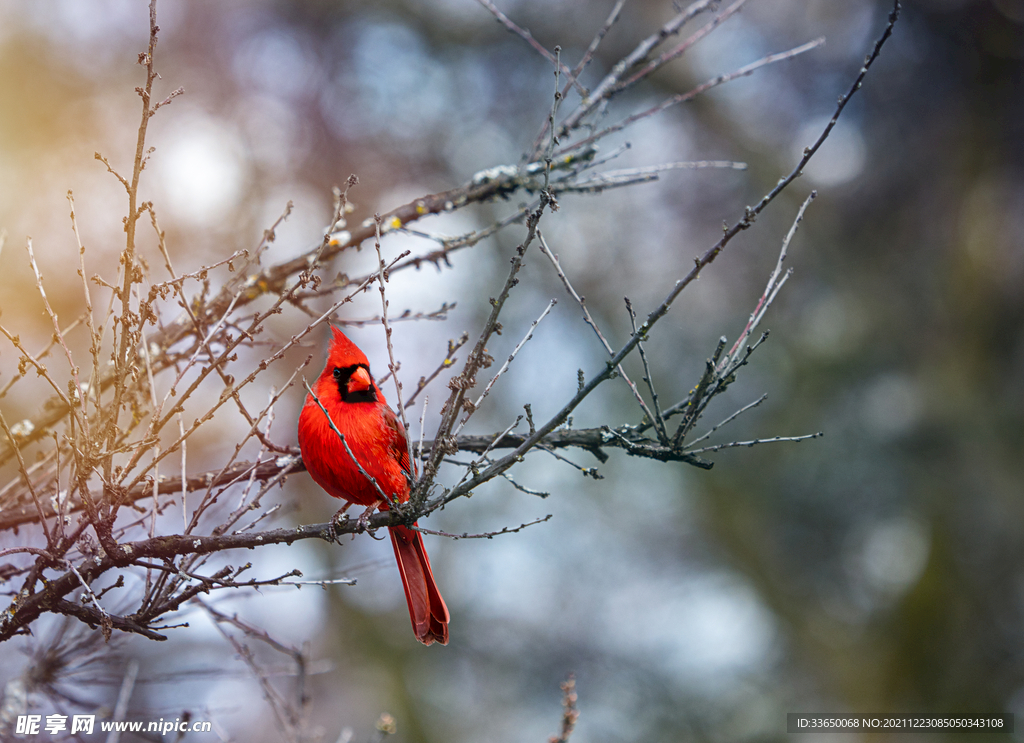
(344,352)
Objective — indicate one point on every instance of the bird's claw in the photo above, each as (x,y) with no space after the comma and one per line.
(332,529)
(362,521)
(364,518)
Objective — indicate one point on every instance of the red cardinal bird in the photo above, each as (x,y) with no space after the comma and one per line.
(377,441)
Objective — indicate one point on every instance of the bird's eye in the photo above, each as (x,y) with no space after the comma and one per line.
(337,373)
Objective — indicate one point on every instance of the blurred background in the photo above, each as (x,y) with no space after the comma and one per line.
(878,569)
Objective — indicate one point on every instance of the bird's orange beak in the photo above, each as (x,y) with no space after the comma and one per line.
(359,381)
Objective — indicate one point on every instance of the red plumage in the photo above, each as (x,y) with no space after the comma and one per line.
(377,441)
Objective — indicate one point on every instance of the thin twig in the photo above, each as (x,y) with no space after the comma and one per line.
(613,16)
(446,363)
(570,715)
(610,84)
(28,480)
(728,420)
(714,82)
(84,420)
(589,320)
(288,718)
(485,535)
(659,420)
(775,282)
(755,442)
(123,696)
(392,366)
(678,51)
(385,498)
(528,38)
(475,405)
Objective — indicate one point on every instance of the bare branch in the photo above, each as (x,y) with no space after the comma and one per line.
(570,715)
(384,497)
(528,38)
(755,442)
(392,365)
(714,82)
(775,282)
(475,405)
(581,301)
(485,535)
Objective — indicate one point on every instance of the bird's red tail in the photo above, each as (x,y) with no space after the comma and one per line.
(426,607)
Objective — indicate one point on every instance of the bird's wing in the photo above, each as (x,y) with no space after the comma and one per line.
(398,442)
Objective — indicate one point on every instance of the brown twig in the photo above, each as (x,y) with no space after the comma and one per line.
(570,715)
(528,38)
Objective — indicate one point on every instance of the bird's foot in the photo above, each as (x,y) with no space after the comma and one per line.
(363,522)
(332,529)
